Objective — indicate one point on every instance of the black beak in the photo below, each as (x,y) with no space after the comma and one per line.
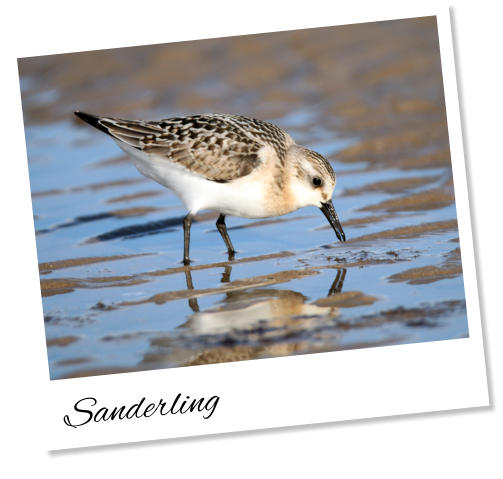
(333,219)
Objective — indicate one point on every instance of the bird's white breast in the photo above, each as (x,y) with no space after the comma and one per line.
(243,197)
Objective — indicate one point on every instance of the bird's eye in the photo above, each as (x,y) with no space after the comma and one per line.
(316,181)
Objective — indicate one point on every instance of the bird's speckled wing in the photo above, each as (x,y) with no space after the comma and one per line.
(218,147)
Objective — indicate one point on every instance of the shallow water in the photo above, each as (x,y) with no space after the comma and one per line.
(115,295)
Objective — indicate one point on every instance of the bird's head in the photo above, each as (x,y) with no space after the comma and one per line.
(313,183)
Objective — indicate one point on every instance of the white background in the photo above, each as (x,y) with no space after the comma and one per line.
(454,443)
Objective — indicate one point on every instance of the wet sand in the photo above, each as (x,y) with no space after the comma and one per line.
(116,298)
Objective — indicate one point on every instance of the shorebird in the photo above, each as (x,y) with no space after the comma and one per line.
(230,164)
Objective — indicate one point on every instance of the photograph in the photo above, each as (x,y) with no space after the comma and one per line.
(243,198)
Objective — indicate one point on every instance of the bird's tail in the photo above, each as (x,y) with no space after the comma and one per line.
(131,132)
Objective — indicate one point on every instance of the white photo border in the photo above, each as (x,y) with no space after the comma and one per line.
(267,393)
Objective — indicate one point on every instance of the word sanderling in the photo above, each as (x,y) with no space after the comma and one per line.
(230,164)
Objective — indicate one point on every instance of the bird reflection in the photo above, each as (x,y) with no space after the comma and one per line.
(248,324)
(251,305)
(226,275)
(338,282)
(193,304)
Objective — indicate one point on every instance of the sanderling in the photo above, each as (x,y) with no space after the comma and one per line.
(230,164)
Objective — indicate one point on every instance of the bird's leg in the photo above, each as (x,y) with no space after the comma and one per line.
(187,223)
(222,229)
